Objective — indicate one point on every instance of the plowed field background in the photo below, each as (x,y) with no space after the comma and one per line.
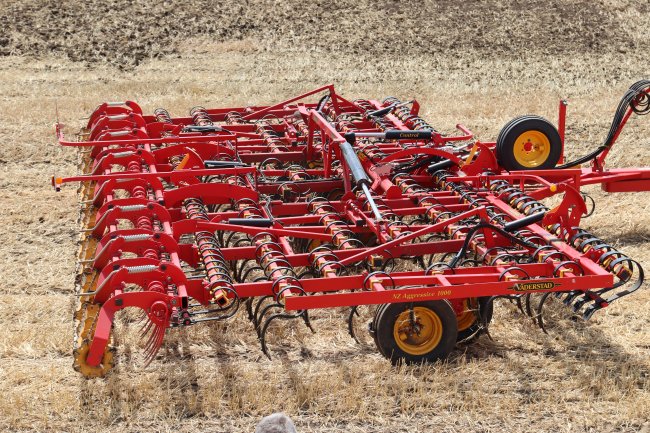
(476,62)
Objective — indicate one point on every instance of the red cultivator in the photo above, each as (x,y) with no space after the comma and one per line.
(329,203)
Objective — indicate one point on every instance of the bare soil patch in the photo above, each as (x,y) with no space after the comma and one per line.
(125,33)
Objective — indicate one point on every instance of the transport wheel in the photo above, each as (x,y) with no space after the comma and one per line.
(373,326)
(469,322)
(416,332)
(528,143)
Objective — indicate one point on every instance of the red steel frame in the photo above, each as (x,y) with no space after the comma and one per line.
(152,193)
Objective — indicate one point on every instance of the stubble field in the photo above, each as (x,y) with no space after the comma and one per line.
(480,64)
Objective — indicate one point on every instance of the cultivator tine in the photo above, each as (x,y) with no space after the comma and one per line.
(517,301)
(267,323)
(260,320)
(307,320)
(320,202)
(540,316)
(350,321)
(259,312)
(262,324)
(570,297)
(529,310)
(581,301)
(591,204)
(249,311)
(485,320)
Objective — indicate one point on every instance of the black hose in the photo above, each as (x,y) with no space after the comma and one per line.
(411,166)
(470,235)
(636,99)
(322,102)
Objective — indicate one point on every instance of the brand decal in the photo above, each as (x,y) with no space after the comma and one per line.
(537,285)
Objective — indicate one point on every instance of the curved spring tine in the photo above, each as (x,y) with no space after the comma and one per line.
(540,317)
(570,297)
(268,321)
(591,204)
(256,321)
(578,304)
(529,310)
(532,305)
(585,298)
(485,325)
(249,309)
(591,309)
(305,318)
(519,304)
(353,312)
(514,299)
(262,313)
(242,275)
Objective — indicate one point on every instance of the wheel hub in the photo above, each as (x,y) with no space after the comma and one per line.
(418,331)
(532,148)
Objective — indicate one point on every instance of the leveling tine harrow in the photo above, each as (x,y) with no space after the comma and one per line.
(322,202)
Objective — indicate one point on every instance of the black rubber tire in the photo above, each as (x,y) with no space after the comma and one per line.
(387,314)
(373,330)
(474,331)
(516,127)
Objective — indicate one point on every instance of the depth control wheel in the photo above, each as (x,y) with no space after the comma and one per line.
(528,143)
(416,332)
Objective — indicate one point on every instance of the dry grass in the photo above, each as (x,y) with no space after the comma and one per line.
(583,377)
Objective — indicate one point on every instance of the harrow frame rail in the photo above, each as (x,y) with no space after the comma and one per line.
(304,205)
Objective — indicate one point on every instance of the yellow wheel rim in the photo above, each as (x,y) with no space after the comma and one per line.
(532,148)
(419,336)
(467,317)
